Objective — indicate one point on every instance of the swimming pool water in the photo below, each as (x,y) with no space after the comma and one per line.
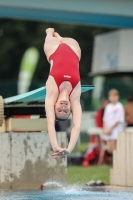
(69,193)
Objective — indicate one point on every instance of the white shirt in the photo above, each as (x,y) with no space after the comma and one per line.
(114,113)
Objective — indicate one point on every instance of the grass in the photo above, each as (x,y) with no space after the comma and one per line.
(81,175)
(82,147)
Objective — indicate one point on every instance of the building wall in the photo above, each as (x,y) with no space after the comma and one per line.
(25,160)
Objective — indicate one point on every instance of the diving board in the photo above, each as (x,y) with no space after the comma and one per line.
(30,103)
(37,95)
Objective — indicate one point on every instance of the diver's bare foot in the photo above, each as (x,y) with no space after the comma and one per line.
(50,30)
(58,36)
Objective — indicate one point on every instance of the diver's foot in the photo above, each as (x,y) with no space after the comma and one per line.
(50,30)
(58,36)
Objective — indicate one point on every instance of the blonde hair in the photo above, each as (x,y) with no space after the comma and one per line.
(113,92)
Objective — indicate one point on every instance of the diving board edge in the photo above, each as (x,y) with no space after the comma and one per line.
(38,95)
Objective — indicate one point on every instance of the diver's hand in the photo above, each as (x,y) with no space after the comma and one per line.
(60,153)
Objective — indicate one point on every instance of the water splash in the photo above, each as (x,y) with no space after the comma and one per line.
(53,184)
(70,192)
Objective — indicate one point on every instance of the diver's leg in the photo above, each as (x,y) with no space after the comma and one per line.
(58,36)
(51,43)
(73,44)
(69,41)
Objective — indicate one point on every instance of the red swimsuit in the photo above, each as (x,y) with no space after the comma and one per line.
(65,66)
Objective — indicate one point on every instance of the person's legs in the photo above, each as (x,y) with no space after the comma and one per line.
(51,43)
(53,39)
(108,143)
(58,36)
(70,42)
(73,44)
(109,152)
(111,146)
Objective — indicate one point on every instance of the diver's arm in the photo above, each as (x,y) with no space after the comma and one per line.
(49,107)
(77,114)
